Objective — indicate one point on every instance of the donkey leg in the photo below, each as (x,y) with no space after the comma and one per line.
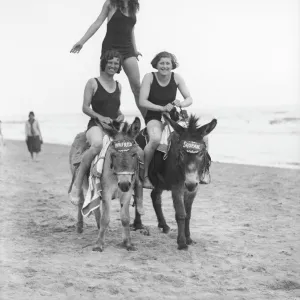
(180,215)
(137,223)
(79,225)
(188,203)
(125,220)
(97,214)
(139,210)
(104,221)
(156,201)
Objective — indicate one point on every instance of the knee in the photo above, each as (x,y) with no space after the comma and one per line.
(180,217)
(154,141)
(96,147)
(135,87)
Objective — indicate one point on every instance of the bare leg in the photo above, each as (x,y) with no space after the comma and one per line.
(95,137)
(154,129)
(131,69)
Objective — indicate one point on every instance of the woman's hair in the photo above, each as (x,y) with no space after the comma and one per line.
(133,5)
(164,54)
(31,113)
(108,55)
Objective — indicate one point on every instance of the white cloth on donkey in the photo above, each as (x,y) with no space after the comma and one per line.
(93,196)
(165,142)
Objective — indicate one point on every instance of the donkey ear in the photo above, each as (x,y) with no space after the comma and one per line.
(135,128)
(208,128)
(179,129)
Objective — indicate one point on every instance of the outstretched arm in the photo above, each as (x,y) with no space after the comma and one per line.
(93,28)
(188,100)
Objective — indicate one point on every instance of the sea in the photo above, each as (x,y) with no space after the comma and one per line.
(265,136)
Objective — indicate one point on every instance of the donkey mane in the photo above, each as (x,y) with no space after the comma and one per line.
(193,124)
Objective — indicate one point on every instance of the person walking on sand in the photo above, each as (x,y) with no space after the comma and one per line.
(121,19)
(103,94)
(1,135)
(33,136)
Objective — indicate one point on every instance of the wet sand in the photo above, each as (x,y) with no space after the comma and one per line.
(246,224)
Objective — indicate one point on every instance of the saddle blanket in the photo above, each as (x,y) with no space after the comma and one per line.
(93,195)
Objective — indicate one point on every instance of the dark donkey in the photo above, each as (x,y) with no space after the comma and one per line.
(179,173)
(120,177)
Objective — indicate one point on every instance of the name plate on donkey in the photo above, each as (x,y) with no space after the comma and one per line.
(191,147)
(123,146)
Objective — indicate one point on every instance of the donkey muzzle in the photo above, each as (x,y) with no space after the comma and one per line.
(124,186)
(191,186)
(125,180)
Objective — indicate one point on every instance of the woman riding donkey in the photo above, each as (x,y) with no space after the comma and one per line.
(121,19)
(103,94)
(158,95)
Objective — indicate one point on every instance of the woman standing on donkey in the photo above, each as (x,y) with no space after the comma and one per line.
(121,19)
(103,94)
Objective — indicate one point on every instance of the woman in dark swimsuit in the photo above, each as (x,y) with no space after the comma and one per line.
(158,92)
(121,18)
(103,94)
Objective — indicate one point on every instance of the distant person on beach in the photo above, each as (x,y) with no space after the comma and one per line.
(121,19)
(1,135)
(103,94)
(158,95)
(33,136)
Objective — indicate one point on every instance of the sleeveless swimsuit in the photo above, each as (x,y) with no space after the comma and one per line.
(104,103)
(160,95)
(118,34)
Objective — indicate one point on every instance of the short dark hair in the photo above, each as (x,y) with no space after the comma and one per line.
(163,54)
(31,113)
(108,55)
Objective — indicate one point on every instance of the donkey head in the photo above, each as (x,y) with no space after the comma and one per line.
(124,155)
(192,156)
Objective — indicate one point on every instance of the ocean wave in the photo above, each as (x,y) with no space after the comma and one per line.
(284,120)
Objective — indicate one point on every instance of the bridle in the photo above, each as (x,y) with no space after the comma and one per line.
(122,147)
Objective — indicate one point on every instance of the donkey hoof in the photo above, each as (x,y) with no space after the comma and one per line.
(98,248)
(79,228)
(165,228)
(182,247)
(189,241)
(137,226)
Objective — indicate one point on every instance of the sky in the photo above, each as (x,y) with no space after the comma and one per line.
(231,52)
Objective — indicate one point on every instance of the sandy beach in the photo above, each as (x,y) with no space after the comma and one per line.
(246,224)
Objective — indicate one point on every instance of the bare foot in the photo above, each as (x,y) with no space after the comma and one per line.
(74,196)
(147,184)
